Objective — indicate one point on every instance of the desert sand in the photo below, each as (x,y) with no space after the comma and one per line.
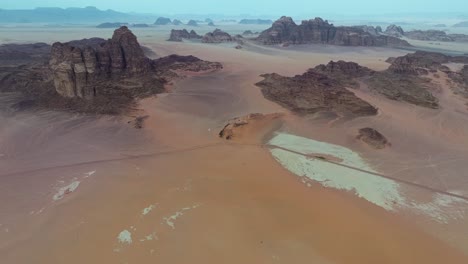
(80,189)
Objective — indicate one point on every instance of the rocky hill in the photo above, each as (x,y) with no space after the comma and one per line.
(313,92)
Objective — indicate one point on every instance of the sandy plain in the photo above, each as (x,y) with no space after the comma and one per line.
(81,189)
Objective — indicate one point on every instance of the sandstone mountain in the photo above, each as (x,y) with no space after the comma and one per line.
(97,75)
(319,31)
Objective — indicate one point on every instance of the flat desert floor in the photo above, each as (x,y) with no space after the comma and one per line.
(83,189)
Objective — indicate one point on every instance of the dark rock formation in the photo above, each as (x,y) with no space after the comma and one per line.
(373,138)
(176,22)
(211,24)
(461,24)
(192,23)
(394,31)
(217,36)
(285,30)
(13,54)
(256,22)
(238,47)
(97,76)
(112,25)
(161,21)
(403,87)
(313,92)
(179,35)
(248,33)
(140,25)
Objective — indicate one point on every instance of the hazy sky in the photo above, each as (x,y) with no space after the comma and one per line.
(274,7)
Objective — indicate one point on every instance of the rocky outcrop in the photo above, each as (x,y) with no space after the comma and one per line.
(313,92)
(250,128)
(162,21)
(319,31)
(373,138)
(179,35)
(176,22)
(217,36)
(394,31)
(255,22)
(345,72)
(211,24)
(192,23)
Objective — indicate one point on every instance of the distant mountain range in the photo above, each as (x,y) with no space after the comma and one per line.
(68,15)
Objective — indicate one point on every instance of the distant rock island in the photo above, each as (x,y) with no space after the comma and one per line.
(192,23)
(161,21)
(461,24)
(256,22)
(319,31)
(112,25)
(179,35)
(323,88)
(425,35)
(95,75)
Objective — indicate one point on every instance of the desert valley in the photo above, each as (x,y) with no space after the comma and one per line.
(252,141)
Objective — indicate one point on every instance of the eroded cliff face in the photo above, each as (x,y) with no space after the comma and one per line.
(78,71)
(317,30)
